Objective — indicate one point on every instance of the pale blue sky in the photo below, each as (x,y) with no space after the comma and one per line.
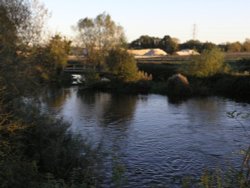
(217,20)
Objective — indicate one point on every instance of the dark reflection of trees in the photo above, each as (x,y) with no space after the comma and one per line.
(116,120)
(88,97)
(205,110)
(107,108)
(112,114)
(55,97)
(119,110)
(177,100)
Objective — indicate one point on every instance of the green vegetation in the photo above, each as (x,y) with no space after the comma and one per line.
(99,35)
(39,151)
(49,60)
(209,63)
(170,45)
(36,150)
(123,66)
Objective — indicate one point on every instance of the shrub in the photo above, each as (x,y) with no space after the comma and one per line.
(210,62)
(122,64)
(36,145)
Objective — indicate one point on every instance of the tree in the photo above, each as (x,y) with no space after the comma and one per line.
(28,18)
(192,44)
(8,34)
(169,44)
(246,45)
(99,35)
(234,47)
(52,58)
(122,65)
(208,46)
(145,41)
(210,62)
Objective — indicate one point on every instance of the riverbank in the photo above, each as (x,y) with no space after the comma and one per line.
(226,85)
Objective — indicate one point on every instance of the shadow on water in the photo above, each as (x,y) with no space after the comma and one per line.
(119,109)
(114,115)
(55,97)
(113,108)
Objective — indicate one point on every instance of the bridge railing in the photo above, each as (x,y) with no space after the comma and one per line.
(79,68)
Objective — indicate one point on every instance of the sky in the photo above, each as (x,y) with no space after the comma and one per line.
(217,21)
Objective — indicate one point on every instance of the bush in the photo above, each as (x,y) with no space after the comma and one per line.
(36,145)
(122,64)
(209,63)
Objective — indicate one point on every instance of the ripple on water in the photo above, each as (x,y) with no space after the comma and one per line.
(156,141)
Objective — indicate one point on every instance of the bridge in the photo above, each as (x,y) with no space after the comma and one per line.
(80,68)
(83,67)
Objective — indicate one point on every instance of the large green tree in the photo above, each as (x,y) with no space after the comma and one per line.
(99,35)
(122,65)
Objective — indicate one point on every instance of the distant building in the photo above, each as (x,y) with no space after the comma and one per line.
(186,52)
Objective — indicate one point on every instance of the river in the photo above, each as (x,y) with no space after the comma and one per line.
(155,141)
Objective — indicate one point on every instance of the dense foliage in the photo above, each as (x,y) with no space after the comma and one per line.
(210,62)
(49,60)
(36,150)
(167,43)
(123,66)
(99,35)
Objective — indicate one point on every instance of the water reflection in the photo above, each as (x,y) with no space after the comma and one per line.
(207,110)
(55,97)
(155,140)
(109,110)
(110,116)
(120,109)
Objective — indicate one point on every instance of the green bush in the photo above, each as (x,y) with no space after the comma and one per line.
(209,63)
(34,145)
(122,64)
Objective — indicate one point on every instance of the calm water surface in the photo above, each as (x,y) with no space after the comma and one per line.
(154,140)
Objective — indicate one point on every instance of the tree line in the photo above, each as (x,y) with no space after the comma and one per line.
(171,44)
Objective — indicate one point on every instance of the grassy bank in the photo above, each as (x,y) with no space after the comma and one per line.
(226,85)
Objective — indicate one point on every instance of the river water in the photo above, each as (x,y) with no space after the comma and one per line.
(152,141)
